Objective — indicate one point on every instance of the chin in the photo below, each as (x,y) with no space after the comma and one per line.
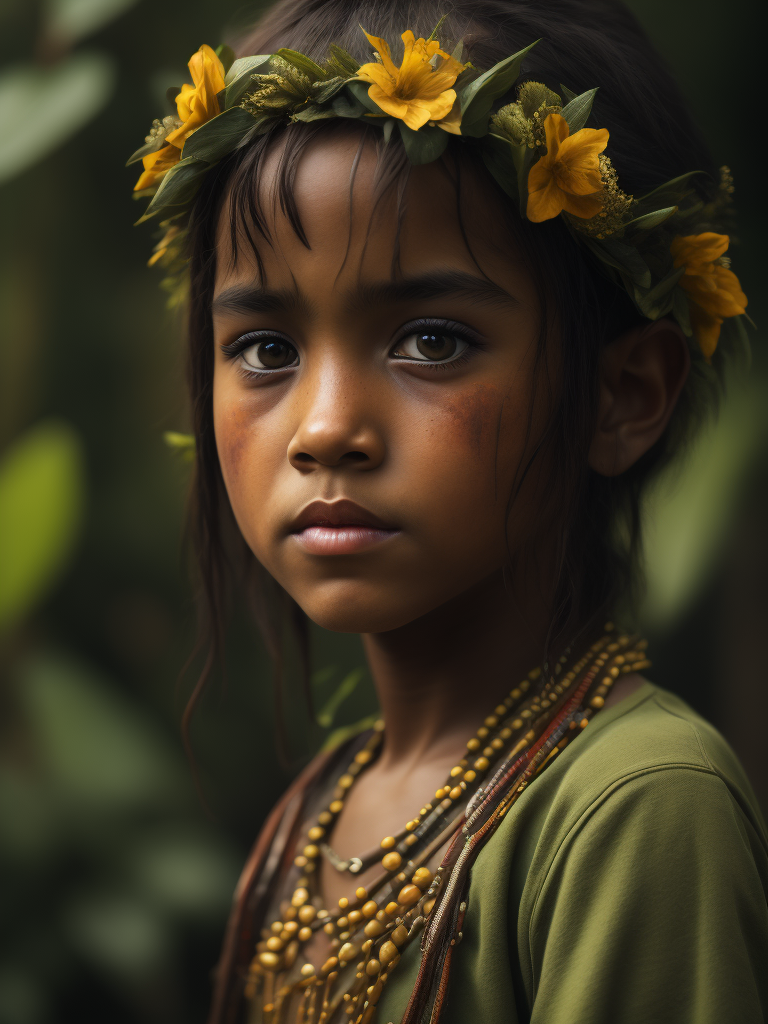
(345,606)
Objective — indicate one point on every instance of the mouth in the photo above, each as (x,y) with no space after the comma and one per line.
(339,528)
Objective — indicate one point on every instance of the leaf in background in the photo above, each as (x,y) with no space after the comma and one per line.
(70,20)
(40,108)
(346,687)
(689,512)
(345,732)
(97,748)
(41,501)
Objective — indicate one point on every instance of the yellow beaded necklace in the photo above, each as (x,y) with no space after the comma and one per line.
(394,908)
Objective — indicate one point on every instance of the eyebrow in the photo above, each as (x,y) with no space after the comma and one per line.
(244,300)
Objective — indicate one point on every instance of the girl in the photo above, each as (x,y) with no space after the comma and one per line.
(450,309)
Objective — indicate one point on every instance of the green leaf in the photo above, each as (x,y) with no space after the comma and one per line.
(479,95)
(577,110)
(179,185)
(219,136)
(226,55)
(671,192)
(360,92)
(345,61)
(41,503)
(621,257)
(314,112)
(345,688)
(238,79)
(68,21)
(423,146)
(389,127)
(568,94)
(658,301)
(346,104)
(182,444)
(327,91)
(681,311)
(346,732)
(303,64)
(40,108)
(650,220)
(500,160)
(145,150)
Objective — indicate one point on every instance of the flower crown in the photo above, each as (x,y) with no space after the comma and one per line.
(659,246)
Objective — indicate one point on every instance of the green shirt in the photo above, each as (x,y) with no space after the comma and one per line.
(627,885)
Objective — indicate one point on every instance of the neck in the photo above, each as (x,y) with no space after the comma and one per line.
(438,677)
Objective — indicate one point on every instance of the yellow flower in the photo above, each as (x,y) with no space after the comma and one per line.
(567,177)
(195,104)
(714,289)
(415,92)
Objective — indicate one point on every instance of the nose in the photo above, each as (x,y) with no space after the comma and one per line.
(336,428)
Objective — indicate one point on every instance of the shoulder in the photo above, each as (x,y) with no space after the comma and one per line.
(653,744)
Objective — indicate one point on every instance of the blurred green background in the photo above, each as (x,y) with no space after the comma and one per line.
(114,882)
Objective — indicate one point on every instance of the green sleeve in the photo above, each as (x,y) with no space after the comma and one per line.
(653,910)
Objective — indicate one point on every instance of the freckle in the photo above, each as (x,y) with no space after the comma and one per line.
(475,414)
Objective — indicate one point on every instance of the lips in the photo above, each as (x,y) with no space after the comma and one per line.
(339,528)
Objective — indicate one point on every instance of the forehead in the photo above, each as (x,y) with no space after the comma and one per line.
(447,215)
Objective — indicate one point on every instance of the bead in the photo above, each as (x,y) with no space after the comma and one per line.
(391,861)
(274,944)
(422,877)
(387,953)
(346,781)
(347,952)
(369,909)
(383,916)
(374,929)
(388,843)
(372,967)
(299,898)
(470,776)
(399,935)
(473,744)
(329,928)
(482,764)
(361,893)
(363,756)
(277,927)
(584,723)
(497,744)
(491,721)
(411,825)
(325,818)
(597,702)
(336,806)
(409,895)
(305,934)
(343,903)
(307,971)
(316,833)
(311,851)
(392,909)
(411,839)
(517,724)
(329,965)
(269,960)
(455,793)
(439,794)
(515,694)
(311,866)
(291,927)
(300,861)
(307,913)
(355,917)
(374,994)
(446,804)
(427,908)
(482,732)
(457,770)
(341,923)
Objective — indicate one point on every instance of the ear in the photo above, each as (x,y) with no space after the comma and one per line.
(642,375)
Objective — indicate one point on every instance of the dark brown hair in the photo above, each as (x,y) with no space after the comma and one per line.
(584,43)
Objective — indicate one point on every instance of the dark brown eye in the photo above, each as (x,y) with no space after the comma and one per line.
(426,347)
(271,354)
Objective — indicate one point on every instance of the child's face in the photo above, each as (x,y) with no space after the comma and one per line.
(409,396)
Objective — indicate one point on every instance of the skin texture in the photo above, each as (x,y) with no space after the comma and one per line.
(453,605)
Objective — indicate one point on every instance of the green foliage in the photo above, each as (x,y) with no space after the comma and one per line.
(41,503)
(72,20)
(347,686)
(577,110)
(42,107)
(216,137)
(480,95)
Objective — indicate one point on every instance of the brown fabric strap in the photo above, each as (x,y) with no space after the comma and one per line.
(223,1004)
